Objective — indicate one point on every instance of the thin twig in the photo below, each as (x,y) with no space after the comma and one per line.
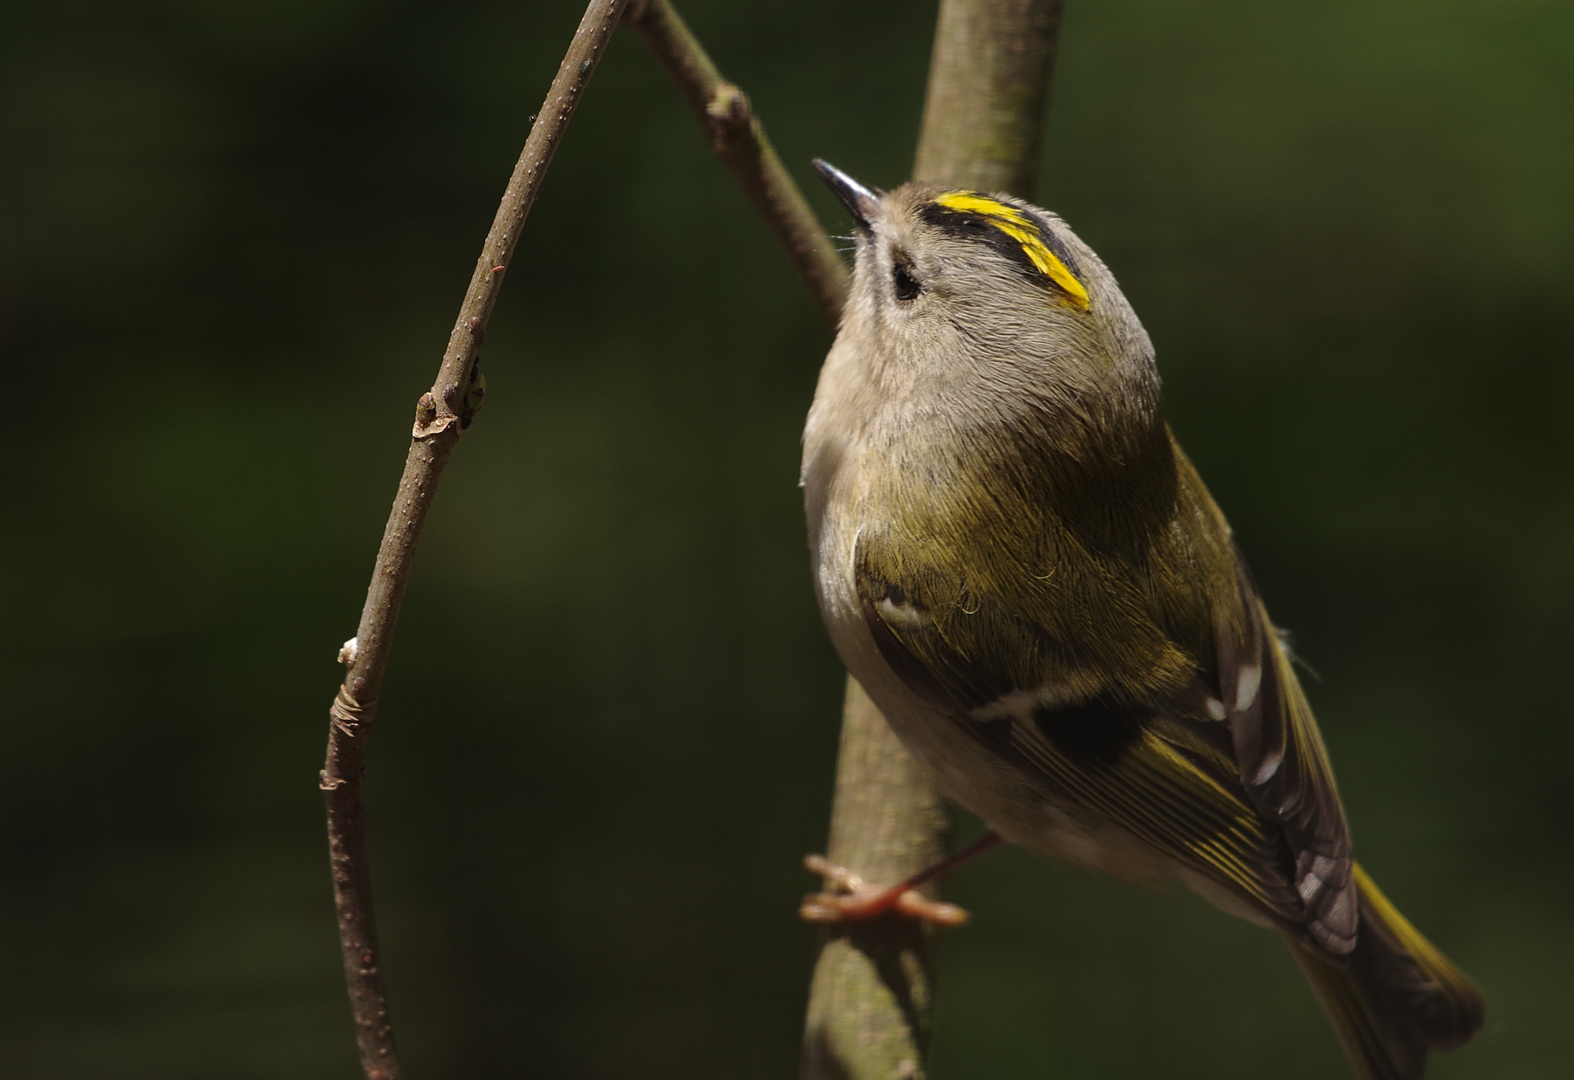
(440,415)
(738,138)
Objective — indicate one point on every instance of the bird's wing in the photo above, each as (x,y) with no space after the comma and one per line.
(1284,768)
(1225,773)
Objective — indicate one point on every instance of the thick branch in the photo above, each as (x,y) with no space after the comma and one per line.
(440,415)
(872,994)
(739,140)
(988,94)
(871,1002)
(871,997)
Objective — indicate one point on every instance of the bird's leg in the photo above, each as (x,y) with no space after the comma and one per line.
(857,899)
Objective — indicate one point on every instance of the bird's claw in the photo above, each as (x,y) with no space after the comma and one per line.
(857,900)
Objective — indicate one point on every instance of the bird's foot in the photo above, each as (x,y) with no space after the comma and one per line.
(857,900)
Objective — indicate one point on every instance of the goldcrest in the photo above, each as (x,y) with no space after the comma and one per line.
(1022,569)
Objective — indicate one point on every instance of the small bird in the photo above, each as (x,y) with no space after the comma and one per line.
(1028,577)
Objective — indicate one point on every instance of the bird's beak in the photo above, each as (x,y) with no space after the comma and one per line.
(859,200)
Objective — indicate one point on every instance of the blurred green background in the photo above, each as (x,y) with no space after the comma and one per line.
(233,236)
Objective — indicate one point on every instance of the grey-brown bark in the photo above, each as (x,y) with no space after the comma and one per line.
(872,996)
(988,94)
(440,415)
(738,138)
(873,989)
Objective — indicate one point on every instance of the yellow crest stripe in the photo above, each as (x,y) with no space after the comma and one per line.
(1021,228)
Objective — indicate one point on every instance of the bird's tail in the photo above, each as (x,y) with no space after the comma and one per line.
(1396,997)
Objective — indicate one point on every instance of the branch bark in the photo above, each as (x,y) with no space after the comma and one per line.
(440,415)
(872,996)
(988,94)
(738,138)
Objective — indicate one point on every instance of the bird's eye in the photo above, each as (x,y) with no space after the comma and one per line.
(906,287)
